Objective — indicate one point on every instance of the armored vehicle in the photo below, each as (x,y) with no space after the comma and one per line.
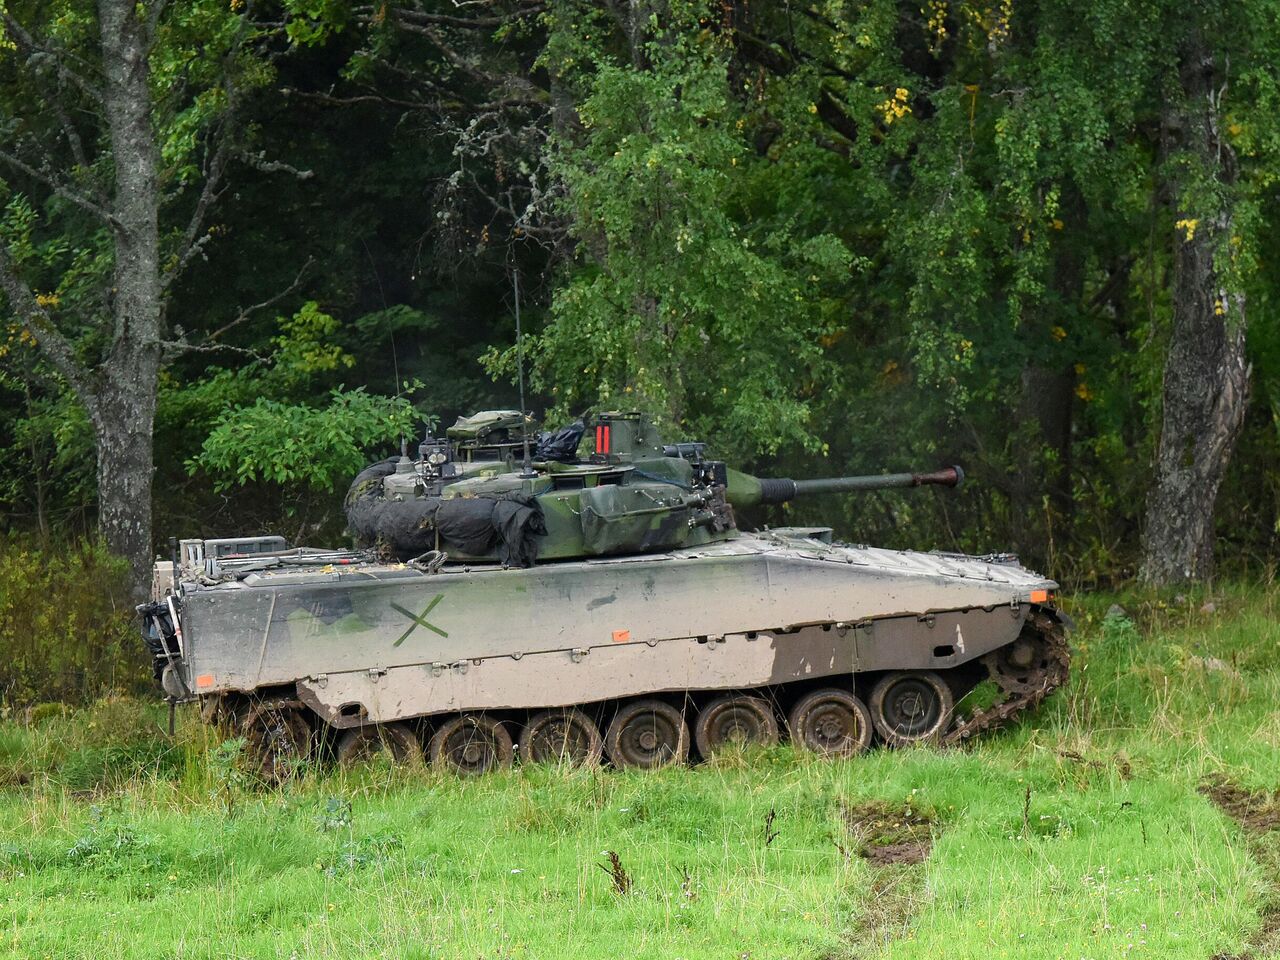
(602,606)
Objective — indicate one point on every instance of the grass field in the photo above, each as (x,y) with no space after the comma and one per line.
(1085,833)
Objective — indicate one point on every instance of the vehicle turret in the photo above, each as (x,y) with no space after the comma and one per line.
(631,437)
(632,493)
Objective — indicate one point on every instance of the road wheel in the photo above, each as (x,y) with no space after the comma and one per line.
(647,734)
(830,722)
(393,740)
(470,745)
(734,720)
(561,736)
(914,707)
(277,740)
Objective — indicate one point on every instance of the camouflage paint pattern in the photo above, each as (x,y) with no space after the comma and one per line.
(385,642)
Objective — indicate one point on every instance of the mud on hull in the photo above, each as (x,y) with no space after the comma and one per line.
(621,655)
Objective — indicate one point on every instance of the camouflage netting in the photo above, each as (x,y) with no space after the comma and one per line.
(511,522)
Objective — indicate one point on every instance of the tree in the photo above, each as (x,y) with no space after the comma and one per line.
(837,237)
(1206,372)
(695,292)
(118,119)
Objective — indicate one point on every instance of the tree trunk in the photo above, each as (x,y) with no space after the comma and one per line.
(123,418)
(1206,375)
(123,412)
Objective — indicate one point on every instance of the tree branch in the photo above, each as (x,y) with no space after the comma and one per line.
(48,338)
(259,162)
(209,194)
(28,45)
(330,100)
(216,163)
(61,189)
(177,347)
(398,15)
(456,59)
(73,138)
(155,11)
(437,106)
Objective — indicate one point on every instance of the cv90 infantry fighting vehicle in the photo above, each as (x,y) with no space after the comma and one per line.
(609,605)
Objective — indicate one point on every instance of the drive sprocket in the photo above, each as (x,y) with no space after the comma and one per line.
(1027,671)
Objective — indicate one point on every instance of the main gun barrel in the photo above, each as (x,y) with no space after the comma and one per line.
(745,490)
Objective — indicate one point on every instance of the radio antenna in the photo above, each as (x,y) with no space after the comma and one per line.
(524,431)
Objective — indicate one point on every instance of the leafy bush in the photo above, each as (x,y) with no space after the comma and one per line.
(66,624)
(296,444)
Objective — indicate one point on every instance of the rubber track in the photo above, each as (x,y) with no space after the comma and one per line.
(1010,709)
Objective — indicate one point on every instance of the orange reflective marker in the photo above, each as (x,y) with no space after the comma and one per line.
(204,680)
(622,636)
(1039,596)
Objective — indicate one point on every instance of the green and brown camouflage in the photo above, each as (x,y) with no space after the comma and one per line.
(631,494)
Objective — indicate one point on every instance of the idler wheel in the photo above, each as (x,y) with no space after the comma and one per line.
(831,722)
(912,707)
(470,745)
(277,738)
(647,734)
(395,741)
(734,720)
(561,736)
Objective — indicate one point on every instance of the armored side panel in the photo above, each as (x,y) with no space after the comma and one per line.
(383,643)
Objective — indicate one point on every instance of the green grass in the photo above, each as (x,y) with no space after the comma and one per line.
(115,842)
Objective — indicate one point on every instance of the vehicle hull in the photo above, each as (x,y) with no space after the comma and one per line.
(379,643)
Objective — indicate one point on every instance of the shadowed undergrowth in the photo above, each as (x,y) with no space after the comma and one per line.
(1081,834)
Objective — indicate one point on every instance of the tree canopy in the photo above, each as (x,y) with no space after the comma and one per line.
(826,238)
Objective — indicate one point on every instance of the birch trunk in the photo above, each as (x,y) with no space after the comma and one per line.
(1206,374)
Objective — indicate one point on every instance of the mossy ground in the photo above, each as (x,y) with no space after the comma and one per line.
(1082,833)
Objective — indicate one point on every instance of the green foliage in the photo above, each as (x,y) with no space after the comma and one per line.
(312,21)
(304,347)
(840,239)
(66,624)
(266,423)
(295,444)
(700,300)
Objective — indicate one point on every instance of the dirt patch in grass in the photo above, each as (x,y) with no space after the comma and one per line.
(1255,810)
(1258,813)
(894,840)
(884,835)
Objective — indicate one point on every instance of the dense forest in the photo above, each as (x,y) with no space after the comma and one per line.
(245,247)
